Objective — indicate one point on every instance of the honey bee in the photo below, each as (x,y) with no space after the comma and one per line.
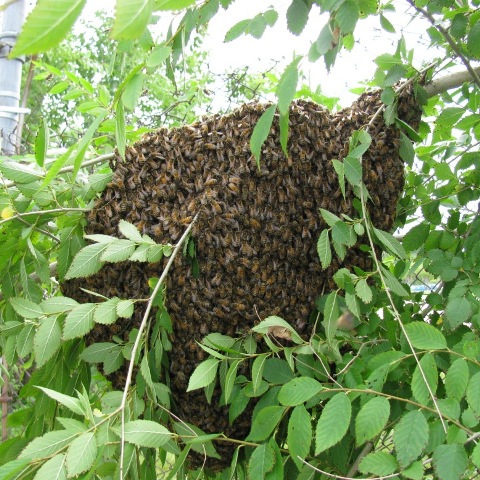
(186,220)
(216,207)
(254,224)
(239,306)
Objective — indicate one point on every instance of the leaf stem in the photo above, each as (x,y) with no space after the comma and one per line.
(19,216)
(136,345)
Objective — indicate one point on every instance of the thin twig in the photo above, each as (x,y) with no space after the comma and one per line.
(387,290)
(45,232)
(340,477)
(365,451)
(18,216)
(88,163)
(136,345)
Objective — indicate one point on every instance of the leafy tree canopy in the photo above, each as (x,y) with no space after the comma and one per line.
(388,382)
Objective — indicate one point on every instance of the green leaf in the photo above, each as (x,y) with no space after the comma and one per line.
(79,321)
(53,469)
(353,170)
(392,283)
(347,16)
(19,172)
(283,122)
(257,26)
(390,243)
(299,436)
(473,393)
(410,437)
(26,308)
(58,305)
(271,17)
(414,471)
(450,461)
(265,422)
(131,19)
(425,336)
(261,461)
(456,379)
(71,403)
(133,90)
(46,26)
(324,41)
(120,131)
(273,321)
(371,419)
(378,463)
(159,54)
(330,218)
(386,24)
(130,231)
(298,391)
(407,152)
(24,340)
(97,352)
(41,143)
(333,422)
(13,469)
(113,360)
(173,4)
(125,308)
(238,29)
(261,131)
(473,40)
(458,311)
(416,237)
(287,86)
(419,388)
(297,16)
(331,314)
(341,233)
(257,370)
(203,375)
(47,340)
(230,379)
(277,371)
(84,143)
(48,444)
(323,249)
(146,433)
(118,251)
(476,455)
(363,291)
(340,170)
(106,312)
(81,454)
(87,261)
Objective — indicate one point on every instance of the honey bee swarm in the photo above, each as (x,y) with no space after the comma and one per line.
(256,233)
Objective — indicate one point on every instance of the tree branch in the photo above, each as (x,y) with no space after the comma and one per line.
(93,161)
(450,81)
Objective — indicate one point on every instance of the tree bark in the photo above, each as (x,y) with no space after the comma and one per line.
(448,82)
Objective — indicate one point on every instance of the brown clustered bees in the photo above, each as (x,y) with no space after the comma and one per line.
(256,233)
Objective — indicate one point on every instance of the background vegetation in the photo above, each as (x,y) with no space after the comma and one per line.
(404,398)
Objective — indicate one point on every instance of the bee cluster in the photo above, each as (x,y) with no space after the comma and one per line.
(256,233)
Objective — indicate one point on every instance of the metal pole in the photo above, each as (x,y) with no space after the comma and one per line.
(10,76)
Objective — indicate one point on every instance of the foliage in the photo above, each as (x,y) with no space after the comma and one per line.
(396,396)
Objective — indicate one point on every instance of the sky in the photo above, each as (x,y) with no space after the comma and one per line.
(278,45)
